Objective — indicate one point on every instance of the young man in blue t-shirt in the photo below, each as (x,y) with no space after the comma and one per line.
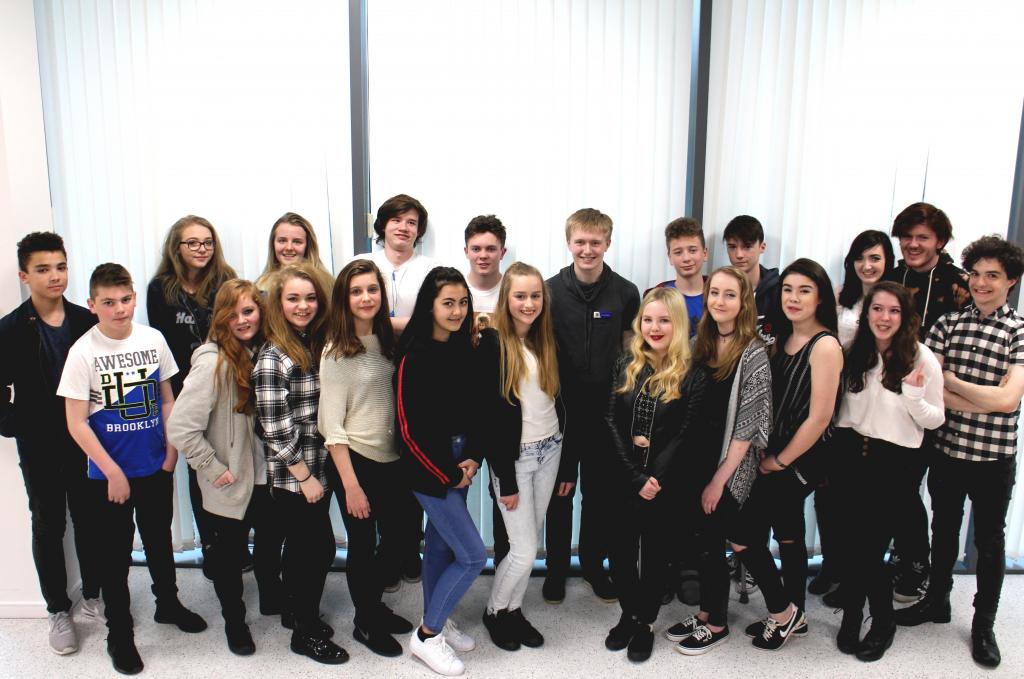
(117,397)
(687,252)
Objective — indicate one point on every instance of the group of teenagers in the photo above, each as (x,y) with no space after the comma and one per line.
(697,418)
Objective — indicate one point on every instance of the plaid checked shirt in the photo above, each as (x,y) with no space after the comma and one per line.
(286,409)
(981,351)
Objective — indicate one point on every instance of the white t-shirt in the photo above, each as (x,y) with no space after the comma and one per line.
(403,283)
(121,380)
(485,301)
(540,419)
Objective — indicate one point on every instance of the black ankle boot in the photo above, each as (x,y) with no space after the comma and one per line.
(932,608)
(848,639)
(984,648)
(123,654)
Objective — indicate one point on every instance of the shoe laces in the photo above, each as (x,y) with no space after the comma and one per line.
(702,633)
(60,622)
(770,625)
(447,651)
(451,629)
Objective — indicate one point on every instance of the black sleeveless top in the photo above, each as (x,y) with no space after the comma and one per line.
(791,401)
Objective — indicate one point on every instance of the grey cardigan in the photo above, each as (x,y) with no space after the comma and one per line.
(749,416)
(205,428)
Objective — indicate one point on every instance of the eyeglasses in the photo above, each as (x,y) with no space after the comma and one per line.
(194,244)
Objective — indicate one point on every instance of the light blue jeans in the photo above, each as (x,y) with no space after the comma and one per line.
(536,474)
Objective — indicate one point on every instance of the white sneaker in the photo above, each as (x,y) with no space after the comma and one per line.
(92,609)
(436,654)
(456,638)
(63,639)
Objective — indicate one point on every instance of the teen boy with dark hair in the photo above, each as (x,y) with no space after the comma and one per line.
(981,349)
(687,252)
(744,242)
(937,286)
(37,336)
(485,247)
(117,398)
(593,310)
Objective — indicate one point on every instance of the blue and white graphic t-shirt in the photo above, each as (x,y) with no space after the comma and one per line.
(121,380)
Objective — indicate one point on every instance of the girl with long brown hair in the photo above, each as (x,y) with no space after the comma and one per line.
(525,421)
(894,393)
(286,382)
(737,422)
(356,418)
(212,426)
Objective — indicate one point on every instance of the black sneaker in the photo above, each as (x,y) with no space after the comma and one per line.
(523,631)
(123,654)
(553,590)
(931,608)
(174,613)
(911,583)
(321,650)
(681,630)
(702,640)
(391,622)
(820,583)
(239,638)
(619,636)
(603,587)
(776,634)
(501,627)
(642,643)
(756,629)
(835,598)
(378,641)
(876,642)
(984,648)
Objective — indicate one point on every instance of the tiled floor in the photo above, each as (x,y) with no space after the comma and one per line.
(574,630)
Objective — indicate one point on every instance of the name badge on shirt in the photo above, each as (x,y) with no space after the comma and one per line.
(602,314)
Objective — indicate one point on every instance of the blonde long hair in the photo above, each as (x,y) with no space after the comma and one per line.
(664,384)
(311,256)
(230,350)
(706,347)
(540,339)
(277,329)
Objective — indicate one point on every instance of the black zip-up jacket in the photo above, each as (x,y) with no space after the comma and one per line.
(673,429)
(36,411)
(435,400)
(768,301)
(502,421)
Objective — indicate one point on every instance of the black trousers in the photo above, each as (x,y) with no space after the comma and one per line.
(366,565)
(712,566)
(309,551)
(641,545)
(990,487)
(399,546)
(834,552)
(150,505)
(911,518)
(204,523)
(776,503)
(267,544)
(875,477)
(54,473)
(229,539)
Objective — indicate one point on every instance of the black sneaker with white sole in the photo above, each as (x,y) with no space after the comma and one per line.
(911,583)
(681,630)
(702,640)
(756,629)
(776,633)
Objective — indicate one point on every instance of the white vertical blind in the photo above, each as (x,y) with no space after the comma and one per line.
(530,111)
(828,117)
(234,111)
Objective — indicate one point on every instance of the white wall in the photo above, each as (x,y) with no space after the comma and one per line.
(24,207)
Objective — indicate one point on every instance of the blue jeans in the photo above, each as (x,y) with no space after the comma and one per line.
(453,555)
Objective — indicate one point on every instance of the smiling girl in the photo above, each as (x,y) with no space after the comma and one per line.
(286,381)
(357,420)
(212,426)
(525,422)
(293,241)
(653,408)
(435,391)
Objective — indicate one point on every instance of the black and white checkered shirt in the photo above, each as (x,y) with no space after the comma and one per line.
(286,408)
(981,351)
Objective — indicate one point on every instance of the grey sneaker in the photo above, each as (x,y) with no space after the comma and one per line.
(63,639)
(92,609)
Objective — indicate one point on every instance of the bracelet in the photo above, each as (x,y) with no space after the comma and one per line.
(779,462)
(310,475)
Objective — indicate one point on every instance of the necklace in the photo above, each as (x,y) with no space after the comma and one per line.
(723,335)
